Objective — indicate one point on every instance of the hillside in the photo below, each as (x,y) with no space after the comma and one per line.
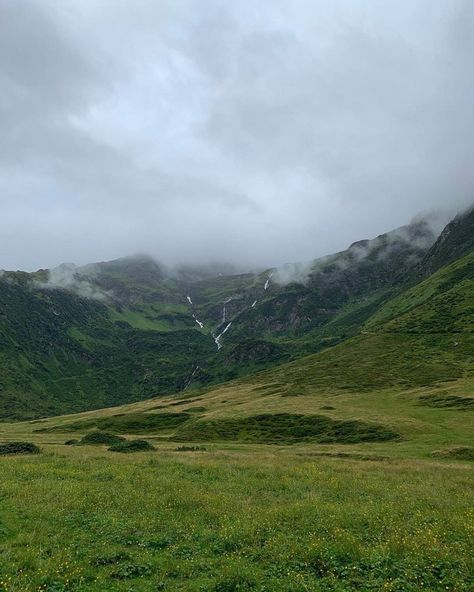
(347,469)
(78,338)
(403,385)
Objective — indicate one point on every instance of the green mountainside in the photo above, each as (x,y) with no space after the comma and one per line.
(394,311)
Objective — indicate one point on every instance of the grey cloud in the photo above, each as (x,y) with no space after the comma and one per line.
(253,133)
(66,276)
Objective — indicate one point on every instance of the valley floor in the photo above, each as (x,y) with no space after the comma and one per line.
(233,518)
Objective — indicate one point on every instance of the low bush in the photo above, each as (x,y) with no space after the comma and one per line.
(132,446)
(8,448)
(101,438)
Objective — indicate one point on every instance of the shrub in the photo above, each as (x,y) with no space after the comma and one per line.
(132,446)
(101,438)
(8,448)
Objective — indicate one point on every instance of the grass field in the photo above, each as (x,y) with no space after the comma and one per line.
(233,518)
(395,514)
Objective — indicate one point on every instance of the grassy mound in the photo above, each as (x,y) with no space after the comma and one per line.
(101,438)
(132,446)
(8,448)
(444,400)
(285,428)
(458,452)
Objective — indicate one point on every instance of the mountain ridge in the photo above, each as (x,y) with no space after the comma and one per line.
(114,332)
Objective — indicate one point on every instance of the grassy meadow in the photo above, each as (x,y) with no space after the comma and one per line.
(204,514)
(236,518)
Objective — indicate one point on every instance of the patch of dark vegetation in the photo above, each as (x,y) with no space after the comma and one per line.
(269,386)
(184,402)
(285,428)
(270,389)
(457,452)
(190,449)
(337,570)
(153,544)
(72,442)
(132,446)
(8,448)
(98,438)
(239,583)
(103,560)
(128,423)
(350,455)
(447,401)
(327,408)
(196,409)
(131,571)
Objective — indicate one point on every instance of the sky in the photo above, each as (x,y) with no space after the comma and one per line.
(256,133)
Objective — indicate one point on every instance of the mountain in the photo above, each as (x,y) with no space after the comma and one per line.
(403,384)
(77,338)
(456,240)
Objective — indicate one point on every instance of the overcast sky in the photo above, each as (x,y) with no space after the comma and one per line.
(256,132)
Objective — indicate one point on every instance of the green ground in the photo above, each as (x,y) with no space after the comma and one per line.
(386,514)
(236,518)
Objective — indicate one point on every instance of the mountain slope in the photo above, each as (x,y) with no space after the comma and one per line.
(404,385)
(110,333)
(60,352)
(456,240)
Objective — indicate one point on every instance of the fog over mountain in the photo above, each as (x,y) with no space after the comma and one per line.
(254,133)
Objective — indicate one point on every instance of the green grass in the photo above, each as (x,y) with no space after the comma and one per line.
(125,423)
(237,519)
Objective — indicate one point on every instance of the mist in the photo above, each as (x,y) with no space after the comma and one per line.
(213,131)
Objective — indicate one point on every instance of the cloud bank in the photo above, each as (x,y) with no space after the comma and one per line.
(252,133)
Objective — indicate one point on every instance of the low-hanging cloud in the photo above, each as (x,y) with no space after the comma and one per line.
(216,130)
(68,276)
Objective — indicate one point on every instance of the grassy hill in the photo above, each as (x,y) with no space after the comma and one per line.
(404,383)
(347,469)
(77,338)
